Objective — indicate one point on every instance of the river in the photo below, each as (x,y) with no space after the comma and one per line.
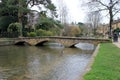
(43,63)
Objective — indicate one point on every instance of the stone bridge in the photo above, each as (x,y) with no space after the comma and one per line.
(66,41)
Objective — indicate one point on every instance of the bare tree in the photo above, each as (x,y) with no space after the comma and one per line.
(94,21)
(63,15)
(111,6)
(62,11)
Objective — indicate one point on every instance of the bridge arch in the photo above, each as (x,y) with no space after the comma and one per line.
(65,43)
(40,43)
(22,43)
(73,45)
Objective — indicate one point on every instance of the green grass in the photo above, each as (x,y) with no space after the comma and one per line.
(106,65)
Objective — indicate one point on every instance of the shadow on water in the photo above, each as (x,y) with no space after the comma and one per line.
(42,63)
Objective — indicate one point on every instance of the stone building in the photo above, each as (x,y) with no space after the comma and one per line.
(103,29)
(116,24)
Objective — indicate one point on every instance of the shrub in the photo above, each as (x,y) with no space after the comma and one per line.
(14,27)
(48,33)
(32,34)
(41,32)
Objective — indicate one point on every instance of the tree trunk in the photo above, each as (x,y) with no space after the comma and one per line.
(110,23)
(111,19)
(20,17)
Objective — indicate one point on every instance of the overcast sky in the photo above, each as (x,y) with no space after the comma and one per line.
(75,11)
(78,13)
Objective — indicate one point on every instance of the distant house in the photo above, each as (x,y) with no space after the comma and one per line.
(116,24)
(104,28)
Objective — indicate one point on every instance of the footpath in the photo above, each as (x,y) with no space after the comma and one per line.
(117,43)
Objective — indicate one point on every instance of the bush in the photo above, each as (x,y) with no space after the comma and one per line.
(48,33)
(14,27)
(32,34)
(41,32)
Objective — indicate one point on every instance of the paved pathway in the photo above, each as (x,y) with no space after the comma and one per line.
(117,43)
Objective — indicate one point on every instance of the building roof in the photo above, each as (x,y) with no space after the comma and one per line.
(116,21)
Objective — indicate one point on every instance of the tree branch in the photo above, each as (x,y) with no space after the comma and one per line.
(33,2)
(105,9)
(102,3)
(115,3)
(116,12)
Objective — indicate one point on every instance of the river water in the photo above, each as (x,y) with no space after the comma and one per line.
(43,63)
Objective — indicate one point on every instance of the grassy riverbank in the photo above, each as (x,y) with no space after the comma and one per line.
(106,65)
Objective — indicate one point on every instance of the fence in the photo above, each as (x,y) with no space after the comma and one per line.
(9,34)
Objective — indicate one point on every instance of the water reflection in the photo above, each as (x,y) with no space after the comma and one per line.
(42,63)
(85,46)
